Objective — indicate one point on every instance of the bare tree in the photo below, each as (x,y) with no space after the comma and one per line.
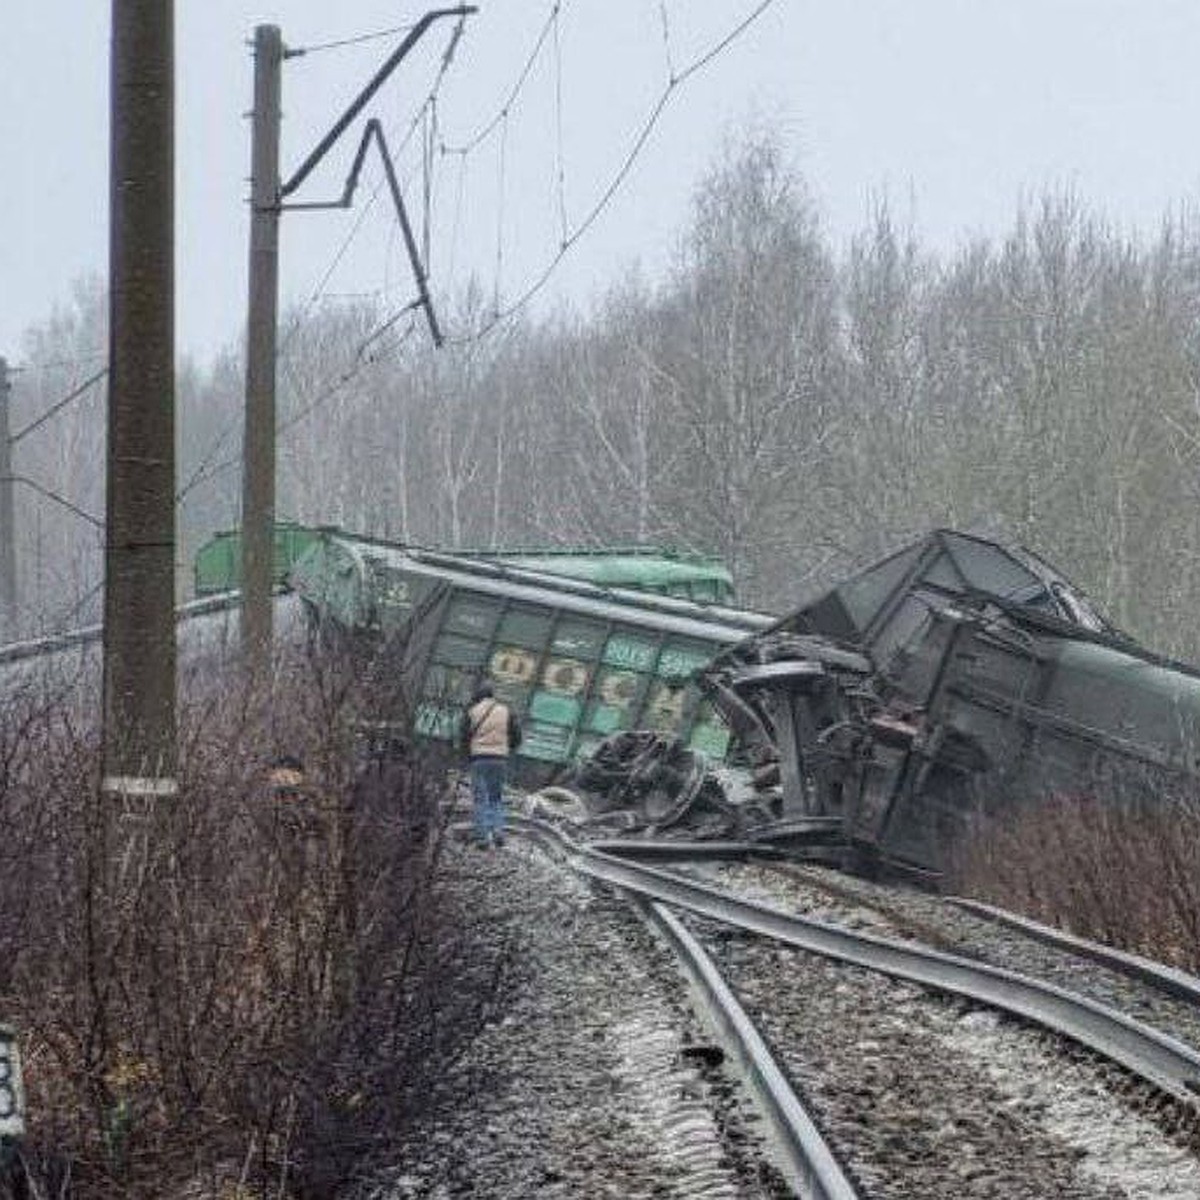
(749,368)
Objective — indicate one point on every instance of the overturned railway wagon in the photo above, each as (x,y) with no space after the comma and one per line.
(576,660)
(946,684)
(667,572)
(217,567)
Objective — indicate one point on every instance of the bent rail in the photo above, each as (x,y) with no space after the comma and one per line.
(1162,1060)
(813,1168)
(1170,980)
(804,1153)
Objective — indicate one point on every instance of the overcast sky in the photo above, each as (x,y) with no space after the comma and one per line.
(953,108)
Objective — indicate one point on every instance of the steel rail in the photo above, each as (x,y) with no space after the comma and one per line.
(667,850)
(1162,1060)
(1170,980)
(807,1159)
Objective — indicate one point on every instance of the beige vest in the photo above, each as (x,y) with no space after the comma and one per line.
(489,720)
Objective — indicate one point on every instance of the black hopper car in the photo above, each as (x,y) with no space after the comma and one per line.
(943,686)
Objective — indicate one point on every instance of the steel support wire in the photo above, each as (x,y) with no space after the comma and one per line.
(1154,1056)
(808,1161)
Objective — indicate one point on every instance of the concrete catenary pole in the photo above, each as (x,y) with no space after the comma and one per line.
(139,587)
(8,525)
(258,470)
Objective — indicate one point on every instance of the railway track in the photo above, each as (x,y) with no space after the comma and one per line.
(1157,1057)
(586,1072)
(925,1097)
(767,953)
(810,1164)
(1165,979)
(1156,996)
(911,910)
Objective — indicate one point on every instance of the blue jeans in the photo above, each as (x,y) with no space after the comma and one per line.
(487,790)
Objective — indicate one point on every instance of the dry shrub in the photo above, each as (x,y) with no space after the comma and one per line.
(219,994)
(1120,866)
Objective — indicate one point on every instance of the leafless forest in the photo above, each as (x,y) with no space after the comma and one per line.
(790,405)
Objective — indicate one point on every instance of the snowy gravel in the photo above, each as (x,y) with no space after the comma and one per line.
(976,937)
(592,1077)
(928,1098)
(1111,1141)
(1118,1131)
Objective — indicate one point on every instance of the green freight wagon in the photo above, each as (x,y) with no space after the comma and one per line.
(642,568)
(698,577)
(576,661)
(218,563)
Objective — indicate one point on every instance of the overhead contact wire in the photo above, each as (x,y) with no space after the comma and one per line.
(666,34)
(639,143)
(357,40)
(500,216)
(470,143)
(558,124)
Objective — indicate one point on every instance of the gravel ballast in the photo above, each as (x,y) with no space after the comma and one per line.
(925,1097)
(905,912)
(588,1074)
(892,1067)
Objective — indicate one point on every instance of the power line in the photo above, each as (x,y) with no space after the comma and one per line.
(469,144)
(80,605)
(456,228)
(500,210)
(34,486)
(319,290)
(360,361)
(697,64)
(199,475)
(666,36)
(558,130)
(58,407)
(59,363)
(357,40)
(428,136)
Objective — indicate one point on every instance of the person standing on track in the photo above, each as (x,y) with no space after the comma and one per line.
(490,732)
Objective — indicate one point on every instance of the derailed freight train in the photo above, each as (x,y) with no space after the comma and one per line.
(578,661)
(944,685)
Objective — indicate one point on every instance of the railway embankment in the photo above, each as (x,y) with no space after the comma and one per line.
(591,1075)
(925,1096)
(919,1095)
